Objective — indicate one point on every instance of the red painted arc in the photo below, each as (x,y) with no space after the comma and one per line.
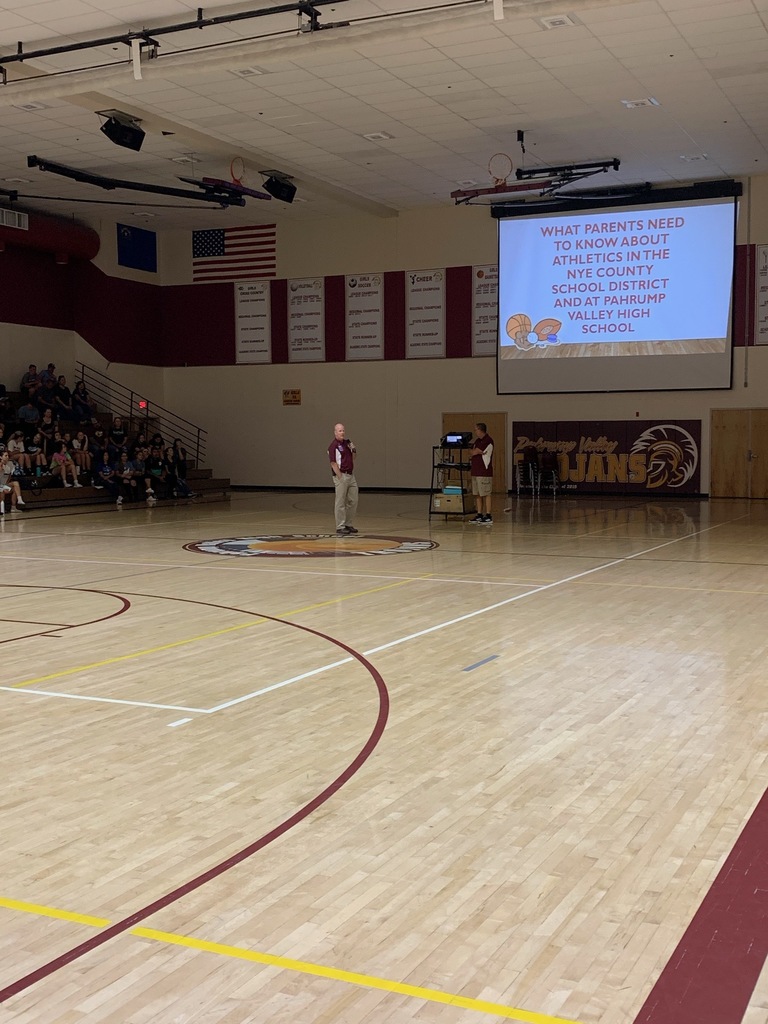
(125,604)
(120,927)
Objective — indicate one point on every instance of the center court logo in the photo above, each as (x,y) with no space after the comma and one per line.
(309,545)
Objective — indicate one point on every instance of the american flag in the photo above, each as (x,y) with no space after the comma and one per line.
(234,254)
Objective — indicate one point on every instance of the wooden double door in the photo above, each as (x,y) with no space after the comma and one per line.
(496,424)
(739,453)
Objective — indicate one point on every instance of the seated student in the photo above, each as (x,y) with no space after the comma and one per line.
(5,403)
(125,475)
(117,438)
(176,484)
(46,397)
(139,442)
(98,443)
(105,476)
(36,454)
(28,417)
(30,383)
(81,451)
(141,474)
(153,467)
(82,407)
(47,428)
(62,464)
(180,457)
(156,441)
(49,374)
(63,408)
(8,486)
(17,452)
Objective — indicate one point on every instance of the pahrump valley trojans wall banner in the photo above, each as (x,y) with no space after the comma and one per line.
(619,456)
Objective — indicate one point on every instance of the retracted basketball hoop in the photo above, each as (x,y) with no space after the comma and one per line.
(500,168)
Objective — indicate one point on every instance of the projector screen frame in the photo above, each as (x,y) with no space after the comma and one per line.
(614,198)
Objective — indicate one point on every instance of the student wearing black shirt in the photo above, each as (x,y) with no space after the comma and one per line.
(117,439)
(63,408)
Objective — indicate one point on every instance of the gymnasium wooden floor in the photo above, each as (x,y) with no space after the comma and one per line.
(517,775)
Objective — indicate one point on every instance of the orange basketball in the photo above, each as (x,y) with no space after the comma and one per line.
(519,327)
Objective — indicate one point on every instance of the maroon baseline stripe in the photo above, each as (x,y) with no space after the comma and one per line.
(711,975)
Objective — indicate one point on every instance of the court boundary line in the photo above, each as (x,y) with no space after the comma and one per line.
(369,981)
(243,698)
(463,618)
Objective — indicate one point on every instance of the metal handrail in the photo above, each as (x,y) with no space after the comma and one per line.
(119,400)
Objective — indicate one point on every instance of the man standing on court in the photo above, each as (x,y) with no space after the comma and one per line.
(481,471)
(342,452)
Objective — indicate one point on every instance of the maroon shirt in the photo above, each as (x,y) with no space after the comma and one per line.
(340,453)
(477,466)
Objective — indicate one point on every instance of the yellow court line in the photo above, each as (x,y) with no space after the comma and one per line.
(351,978)
(63,915)
(206,636)
(301,966)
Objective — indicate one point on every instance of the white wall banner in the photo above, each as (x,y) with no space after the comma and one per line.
(253,323)
(761,295)
(425,314)
(364,304)
(485,310)
(306,320)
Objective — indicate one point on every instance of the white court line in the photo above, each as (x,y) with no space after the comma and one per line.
(277,686)
(181,721)
(105,700)
(373,650)
(468,615)
(235,567)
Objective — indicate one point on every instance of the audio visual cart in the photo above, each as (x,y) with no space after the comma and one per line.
(450,469)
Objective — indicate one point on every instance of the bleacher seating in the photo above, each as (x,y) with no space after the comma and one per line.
(47,491)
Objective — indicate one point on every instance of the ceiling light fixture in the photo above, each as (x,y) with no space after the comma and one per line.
(648,101)
(557,21)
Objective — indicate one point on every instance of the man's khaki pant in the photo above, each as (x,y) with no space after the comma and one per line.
(345,506)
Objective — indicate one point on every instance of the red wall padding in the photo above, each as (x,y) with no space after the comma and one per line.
(194,325)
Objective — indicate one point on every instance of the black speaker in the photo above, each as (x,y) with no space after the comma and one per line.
(130,136)
(280,189)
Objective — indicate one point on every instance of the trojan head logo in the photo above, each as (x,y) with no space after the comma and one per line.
(671,455)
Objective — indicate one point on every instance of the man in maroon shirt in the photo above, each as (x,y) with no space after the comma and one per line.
(481,471)
(341,453)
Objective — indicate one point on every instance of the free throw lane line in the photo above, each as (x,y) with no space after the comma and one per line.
(369,981)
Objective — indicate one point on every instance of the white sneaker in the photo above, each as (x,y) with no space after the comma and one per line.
(150,492)
(20,501)
(120,500)
(2,508)
(78,484)
(66,484)
(14,509)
